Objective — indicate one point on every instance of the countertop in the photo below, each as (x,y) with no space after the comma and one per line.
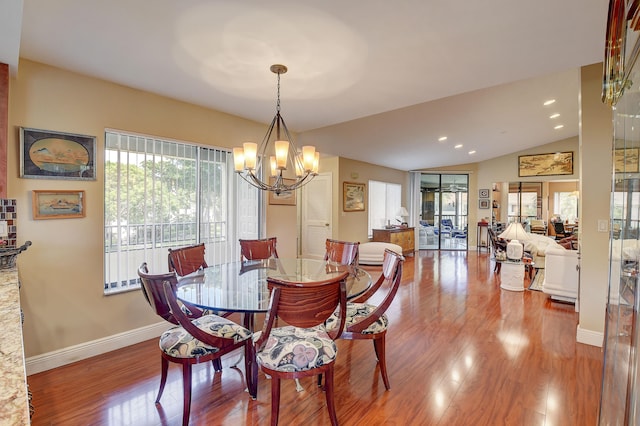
(14,400)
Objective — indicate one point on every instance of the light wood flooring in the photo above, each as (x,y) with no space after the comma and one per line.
(460,351)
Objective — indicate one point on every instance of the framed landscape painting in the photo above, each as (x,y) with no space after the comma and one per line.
(46,154)
(556,163)
(58,204)
(626,160)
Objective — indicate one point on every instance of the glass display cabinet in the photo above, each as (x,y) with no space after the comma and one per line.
(620,386)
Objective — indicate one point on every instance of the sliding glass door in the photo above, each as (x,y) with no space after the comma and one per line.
(444,211)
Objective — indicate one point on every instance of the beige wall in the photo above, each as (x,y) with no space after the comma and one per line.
(62,273)
(353,226)
(596,142)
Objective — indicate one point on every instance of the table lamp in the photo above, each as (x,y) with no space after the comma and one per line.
(515,233)
(403,213)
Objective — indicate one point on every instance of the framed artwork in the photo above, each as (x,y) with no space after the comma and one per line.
(626,160)
(45,154)
(556,163)
(58,204)
(483,204)
(286,198)
(353,196)
(483,193)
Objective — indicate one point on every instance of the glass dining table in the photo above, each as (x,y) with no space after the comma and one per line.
(242,286)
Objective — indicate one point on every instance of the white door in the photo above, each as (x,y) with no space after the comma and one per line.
(316,216)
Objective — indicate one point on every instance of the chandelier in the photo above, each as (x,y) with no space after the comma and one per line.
(281,152)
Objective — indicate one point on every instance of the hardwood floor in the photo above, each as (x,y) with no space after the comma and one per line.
(460,351)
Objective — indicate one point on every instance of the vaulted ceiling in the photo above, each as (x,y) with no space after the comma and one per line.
(412,71)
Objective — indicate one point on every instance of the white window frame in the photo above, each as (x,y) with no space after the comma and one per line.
(190,194)
(385,200)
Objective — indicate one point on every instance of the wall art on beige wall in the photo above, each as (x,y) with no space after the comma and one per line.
(353,196)
(58,204)
(46,154)
(556,163)
(285,198)
(626,160)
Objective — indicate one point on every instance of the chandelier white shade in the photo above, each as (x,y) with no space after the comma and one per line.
(279,149)
(515,233)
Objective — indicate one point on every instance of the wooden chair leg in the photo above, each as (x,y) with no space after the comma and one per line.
(379,346)
(164,368)
(275,400)
(328,388)
(217,364)
(251,369)
(186,389)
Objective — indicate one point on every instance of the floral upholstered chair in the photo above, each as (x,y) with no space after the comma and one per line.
(193,339)
(368,322)
(304,347)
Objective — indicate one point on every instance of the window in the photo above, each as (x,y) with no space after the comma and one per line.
(525,201)
(384,203)
(565,205)
(160,194)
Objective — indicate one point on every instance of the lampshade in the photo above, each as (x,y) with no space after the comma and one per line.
(280,152)
(402,212)
(515,233)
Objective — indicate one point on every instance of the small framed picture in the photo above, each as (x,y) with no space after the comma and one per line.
(58,204)
(483,193)
(353,196)
(285,198)
(483,204)
(45,154)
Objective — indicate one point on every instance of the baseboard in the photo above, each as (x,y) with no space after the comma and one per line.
(50,360)
(589,337)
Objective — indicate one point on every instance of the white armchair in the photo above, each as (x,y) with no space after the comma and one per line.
(426,236)
(561,274)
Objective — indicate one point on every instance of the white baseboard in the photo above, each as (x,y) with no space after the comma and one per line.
(50,360)
(589,337)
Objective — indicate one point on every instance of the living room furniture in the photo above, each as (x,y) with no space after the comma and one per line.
(366,321)
(426,235)
(560,231)
(512,275)
(303,347)
(482,237)
(404,237)
(538,226)
(372,253)
(193,339)
(561,274)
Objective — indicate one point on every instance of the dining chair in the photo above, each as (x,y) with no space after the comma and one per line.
(258,249)
(185,260)
(303,347)
(368,321)
(560,231)
(193,339)
(342,252)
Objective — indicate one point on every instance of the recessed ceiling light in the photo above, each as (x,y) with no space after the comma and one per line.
(458,146)
(549,102)
(442,139)
(472,152)
(556,115)
(559,126)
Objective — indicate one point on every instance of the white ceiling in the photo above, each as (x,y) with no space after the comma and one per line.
(476,72)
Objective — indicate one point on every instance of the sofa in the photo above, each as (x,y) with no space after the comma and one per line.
(538,245)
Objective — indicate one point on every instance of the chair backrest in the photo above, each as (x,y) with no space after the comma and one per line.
(495,244)
(153,291)
(559,228)
(447,222)
(342,252)
(306,304)
(258,249)
(389,280)
(185,260)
